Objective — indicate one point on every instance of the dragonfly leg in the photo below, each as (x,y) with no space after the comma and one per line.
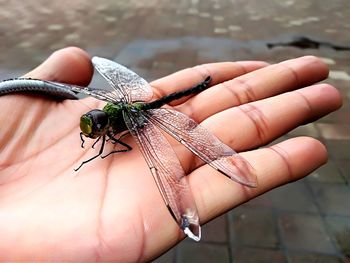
(123,135)
(93,146)
(97,155)
(111,137)
(82,140)
(115,140)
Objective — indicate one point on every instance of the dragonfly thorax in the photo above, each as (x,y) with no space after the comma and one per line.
(115,116)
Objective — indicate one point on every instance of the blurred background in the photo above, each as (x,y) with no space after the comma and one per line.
(307,221)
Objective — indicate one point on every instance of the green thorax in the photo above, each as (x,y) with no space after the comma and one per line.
(115,114)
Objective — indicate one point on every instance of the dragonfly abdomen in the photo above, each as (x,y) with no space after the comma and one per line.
(57,90)
(177,95)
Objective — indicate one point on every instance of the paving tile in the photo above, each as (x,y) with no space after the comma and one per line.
(263,200)
(313,257)
(333,199)
(342,115)
(334,131)
(254,227)
(168,257)
(258,255)
(340,228)
(216,230)
(328,173)
(305,232)
(202,253)
(278,140)
(305,130)
(339,149)
(344,166)
(293,197)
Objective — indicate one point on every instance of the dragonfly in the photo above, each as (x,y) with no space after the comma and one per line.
(129,109)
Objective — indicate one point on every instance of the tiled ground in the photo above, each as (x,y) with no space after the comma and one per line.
(307,221)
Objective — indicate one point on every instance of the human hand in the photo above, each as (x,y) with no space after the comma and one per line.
(111,209)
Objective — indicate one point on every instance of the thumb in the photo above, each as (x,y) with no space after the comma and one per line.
(69,65)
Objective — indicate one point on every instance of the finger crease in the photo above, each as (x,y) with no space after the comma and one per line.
(158,92)
(243,69)
(246,90)
(307,102)
(202,70)
(284,156)
(227,87)
(258,119)
(292,72)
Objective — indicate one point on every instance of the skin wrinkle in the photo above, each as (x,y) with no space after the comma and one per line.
(23,139)
(258,119)
(26,172)
(292,73)
(232,91)
(204,209)
(103,244)
(11,179)
(35,155)
(243,92)
(203,71)
(247,90)
(13,123)
(42,151)
(143,235)
(52,143)
(99,226)
(307,103)
(284,156)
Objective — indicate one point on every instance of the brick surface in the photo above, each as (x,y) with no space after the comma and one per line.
(344,167)
(340,229)
(306,130)
(168,257)
(328,173)
(339,149)
(258,255)
(332,199)
(254,227)
(202,253)
(216,230)
(305,232)
(305,257)
(334,131)
(293,197)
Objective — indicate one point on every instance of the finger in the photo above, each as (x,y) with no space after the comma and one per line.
(69,65)
(288,161)
(189,77)
(258,123)
(256,85)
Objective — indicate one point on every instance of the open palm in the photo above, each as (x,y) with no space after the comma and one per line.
(111,208)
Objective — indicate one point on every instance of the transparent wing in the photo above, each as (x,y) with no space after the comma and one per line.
(167,172)
(127,85)
(96,93)
(204,144)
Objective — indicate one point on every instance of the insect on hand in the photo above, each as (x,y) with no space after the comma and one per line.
(128,110)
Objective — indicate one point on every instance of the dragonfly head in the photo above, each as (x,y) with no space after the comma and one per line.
(94,123)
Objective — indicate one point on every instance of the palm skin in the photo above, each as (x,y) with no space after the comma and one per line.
(111,208)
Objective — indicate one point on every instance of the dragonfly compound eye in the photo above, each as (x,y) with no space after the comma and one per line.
(94,123)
